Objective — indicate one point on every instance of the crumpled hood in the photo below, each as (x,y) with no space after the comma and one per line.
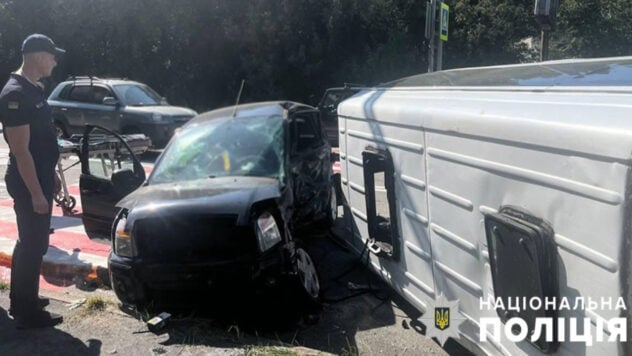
(226,195)
(166,110)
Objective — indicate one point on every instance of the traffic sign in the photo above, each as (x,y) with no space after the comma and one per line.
(445,14)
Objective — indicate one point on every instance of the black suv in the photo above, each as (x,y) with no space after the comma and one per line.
(123,106)
(228,200)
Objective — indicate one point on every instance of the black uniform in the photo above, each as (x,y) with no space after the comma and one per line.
(23,103)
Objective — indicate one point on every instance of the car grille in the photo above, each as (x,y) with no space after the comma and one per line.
(193,237)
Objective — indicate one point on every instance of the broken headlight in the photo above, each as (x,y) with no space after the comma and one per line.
(123,243)
(268,233)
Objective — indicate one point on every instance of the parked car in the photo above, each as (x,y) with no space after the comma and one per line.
(123,106)
(328,106)
(228,199)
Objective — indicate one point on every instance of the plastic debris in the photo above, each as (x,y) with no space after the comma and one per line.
(158,322)
(77,303)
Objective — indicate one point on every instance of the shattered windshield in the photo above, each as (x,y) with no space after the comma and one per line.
(249,146)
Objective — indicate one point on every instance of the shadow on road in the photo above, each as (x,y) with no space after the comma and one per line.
(49,341)
(354,300)
(58,222)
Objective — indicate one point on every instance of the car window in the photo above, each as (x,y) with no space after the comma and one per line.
(82,93)
(65,91)
(250,146)
(137,95)
(106,158)
(331,98)
(98,93)
(88,94)
(307,132)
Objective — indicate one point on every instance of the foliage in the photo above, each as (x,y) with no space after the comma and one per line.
(95,303)
(593,28)
(196,52)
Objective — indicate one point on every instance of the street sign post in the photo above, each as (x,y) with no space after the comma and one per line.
(430,33)
(545,13)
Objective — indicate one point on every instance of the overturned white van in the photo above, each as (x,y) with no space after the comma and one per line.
(506,188)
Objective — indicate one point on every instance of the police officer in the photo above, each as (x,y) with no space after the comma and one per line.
(30,178)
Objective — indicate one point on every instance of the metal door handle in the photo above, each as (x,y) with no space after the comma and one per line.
(373,247)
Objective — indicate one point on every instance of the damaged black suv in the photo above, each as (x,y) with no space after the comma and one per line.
(227,200)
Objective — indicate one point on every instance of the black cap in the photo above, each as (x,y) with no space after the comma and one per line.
(41,43)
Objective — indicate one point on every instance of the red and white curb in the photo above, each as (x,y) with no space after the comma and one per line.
(71,254)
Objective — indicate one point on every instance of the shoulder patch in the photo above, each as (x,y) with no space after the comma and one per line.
(13,105)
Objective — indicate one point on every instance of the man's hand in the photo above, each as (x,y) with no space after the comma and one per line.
(57,184)
(40,204)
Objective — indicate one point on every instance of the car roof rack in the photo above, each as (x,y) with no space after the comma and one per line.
(74,78)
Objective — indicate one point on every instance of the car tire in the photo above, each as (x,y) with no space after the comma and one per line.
(307,275)
(304,285)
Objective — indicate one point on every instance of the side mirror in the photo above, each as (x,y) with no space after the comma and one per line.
(164,101)
(109,100)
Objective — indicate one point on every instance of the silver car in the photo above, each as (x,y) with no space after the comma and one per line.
(121,105)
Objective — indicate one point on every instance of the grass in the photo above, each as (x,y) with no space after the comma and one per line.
(4,285)
(96,303)
(349,350)
(254,350)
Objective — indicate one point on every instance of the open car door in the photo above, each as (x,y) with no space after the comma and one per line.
(109,171)
(310,166)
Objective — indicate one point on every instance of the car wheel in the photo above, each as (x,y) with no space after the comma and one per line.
(129,292)
(307,275)
(298,295)
(60,130)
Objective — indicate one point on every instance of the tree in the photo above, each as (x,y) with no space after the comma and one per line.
(592,28)
(196,52)
(485,32)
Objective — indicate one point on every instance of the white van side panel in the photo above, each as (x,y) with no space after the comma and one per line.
(467,153)
(413,274)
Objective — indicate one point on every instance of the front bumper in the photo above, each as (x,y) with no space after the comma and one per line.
(135,281)
(161,133)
